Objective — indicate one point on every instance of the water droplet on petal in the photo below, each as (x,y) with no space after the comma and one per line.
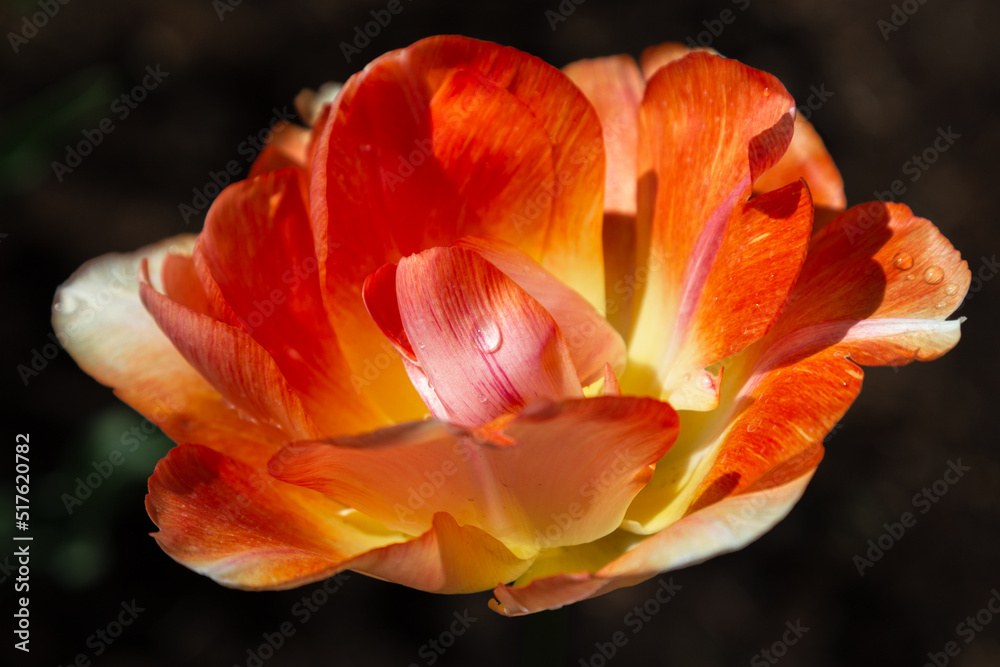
(939,304)
(951,289)
(488,336)
(482,399)
(909,277)
(66,305)
(422,346)
(902,261)
(933,275)
(706,381)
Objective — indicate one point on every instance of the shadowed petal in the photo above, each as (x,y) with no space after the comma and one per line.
(556,474)
(244,529)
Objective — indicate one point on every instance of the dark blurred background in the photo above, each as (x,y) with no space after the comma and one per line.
(892,76)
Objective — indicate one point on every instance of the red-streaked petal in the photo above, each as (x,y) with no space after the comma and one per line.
(708,127)
(500,477)
(591,340)
(239,368)
(258,248)
(808,159)
(287,146)
(244,529)
(726,526)
(181,284)
(104,326)
(877,261)
(383,189)
(851,306)
(486,347)
(614,86)
(448,558)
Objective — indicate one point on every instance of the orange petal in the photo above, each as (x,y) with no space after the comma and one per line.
(238,367)
(181,284)
(286,146)
(102,323)
(877,261)
(783,395)
(808,159)
(708,127)
(258,248)
(244,529)
(614,86)
(484,345)
(591,340)
(448,558)
(498,478)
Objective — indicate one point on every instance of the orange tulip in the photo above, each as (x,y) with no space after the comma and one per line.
(479,329)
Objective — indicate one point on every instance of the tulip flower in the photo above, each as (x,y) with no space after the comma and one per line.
(491,325)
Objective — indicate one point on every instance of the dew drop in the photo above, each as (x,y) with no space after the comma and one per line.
(910,277)
(488,336)
(951,289)
(422,346)
(482,399)
(706,381)
(939,305)
(902,261)
(65,305)
(933,275)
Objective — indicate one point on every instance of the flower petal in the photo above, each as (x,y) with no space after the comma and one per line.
(591,340)
(244,529)
(258,248)
(448,558)
(807,159)
(386,187)
(102,323)
(877,261)
(708,127)
(614,86)
(720,528)
(238,367)
(499,477)
(783,395)
(485,346)
(286,146)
